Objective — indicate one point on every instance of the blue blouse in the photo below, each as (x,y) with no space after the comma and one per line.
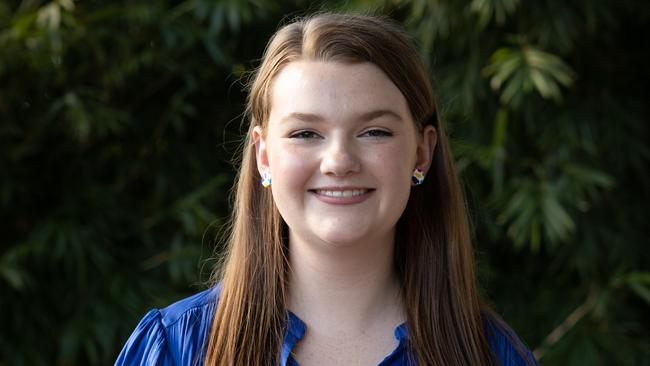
(176,336)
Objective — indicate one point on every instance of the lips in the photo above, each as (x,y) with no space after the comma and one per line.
(342,195)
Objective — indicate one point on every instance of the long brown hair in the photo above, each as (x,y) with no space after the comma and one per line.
(433,254)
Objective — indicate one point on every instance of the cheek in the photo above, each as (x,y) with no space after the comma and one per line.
(394,165)
(290,168)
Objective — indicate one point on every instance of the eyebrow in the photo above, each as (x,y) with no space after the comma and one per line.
(368,116)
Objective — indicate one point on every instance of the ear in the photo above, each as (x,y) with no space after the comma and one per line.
(257,135)
(426,147)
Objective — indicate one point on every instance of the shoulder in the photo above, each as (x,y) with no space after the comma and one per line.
(190,307)
(173,335)
(504,342)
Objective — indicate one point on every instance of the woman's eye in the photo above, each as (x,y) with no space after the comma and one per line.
(304,135)
(376,133)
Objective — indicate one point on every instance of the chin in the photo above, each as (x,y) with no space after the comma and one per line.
(340,239)
(338,242)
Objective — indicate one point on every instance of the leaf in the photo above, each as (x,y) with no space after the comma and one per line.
(546,87)
(493,9)
(641,290)
(516,70)
(639,277)
(49,16)
(639,283)
(556,220)
(12,275)
(589,175)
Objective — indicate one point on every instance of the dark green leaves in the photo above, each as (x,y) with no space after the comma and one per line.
(118,120)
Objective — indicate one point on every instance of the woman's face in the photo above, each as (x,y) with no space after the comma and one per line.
(341,147)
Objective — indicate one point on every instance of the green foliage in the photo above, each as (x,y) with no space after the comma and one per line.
(525,69)
(118,121)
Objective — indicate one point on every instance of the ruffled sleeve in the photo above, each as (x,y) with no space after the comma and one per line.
(174,335)
(147,344)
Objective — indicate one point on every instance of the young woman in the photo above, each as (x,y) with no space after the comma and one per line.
(341,252)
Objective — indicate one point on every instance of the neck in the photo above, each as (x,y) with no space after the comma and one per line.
(353,285)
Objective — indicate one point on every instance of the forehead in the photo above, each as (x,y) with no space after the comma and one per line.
(334,90)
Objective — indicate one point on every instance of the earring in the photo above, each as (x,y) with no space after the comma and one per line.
(266,179)
(418,176)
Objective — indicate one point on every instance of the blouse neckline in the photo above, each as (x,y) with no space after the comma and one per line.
(296,329)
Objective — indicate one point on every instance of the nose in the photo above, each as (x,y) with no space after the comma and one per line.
(340,158)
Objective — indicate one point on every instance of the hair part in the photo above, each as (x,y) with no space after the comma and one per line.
(433,253)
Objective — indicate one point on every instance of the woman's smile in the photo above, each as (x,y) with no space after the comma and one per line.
(342,196)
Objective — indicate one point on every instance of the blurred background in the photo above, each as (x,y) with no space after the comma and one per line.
(119,121)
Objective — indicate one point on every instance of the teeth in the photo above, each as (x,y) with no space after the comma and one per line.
(346,193)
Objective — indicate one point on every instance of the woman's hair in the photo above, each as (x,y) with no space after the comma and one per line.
(433,253)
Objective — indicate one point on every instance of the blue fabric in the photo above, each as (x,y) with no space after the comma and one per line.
(176,336)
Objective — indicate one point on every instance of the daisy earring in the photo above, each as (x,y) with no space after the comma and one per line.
(266,179)
(418,177)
